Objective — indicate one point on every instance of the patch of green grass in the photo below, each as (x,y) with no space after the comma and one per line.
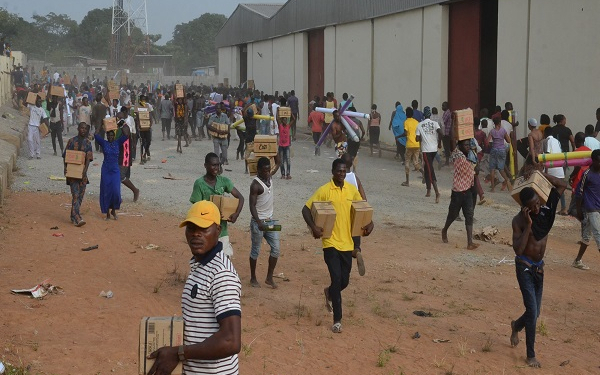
(246,349)
(542,328)
(383,358)
(487,347)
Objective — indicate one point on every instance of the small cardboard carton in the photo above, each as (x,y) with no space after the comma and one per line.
(75,171)
(361,215)
(110,123)
(323,215)
(42,95)
(67,79)
(222,127)
(284,112)
(252,164)
(226,205)
(57,91)
(144,115)
(178,86)
(112,95)
(74,157)
(537,181)
(145,125)
(44,130)
(156,332)
(31,96)
(463,124)
(265,145)
(179,94)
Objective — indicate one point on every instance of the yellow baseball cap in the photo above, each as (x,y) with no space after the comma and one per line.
(203,214)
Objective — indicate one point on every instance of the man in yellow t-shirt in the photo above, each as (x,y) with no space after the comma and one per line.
(337,250)
(413,147)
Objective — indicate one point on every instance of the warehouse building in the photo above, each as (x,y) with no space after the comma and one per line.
(541,55)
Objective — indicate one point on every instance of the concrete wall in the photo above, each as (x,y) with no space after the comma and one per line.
(410,61)
(547,69)
(283,64)
(6,66)
(353,63)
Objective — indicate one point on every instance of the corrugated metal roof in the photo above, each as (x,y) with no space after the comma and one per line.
(254,22)
(265,10)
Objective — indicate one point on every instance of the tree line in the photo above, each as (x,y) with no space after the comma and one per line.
(54,36)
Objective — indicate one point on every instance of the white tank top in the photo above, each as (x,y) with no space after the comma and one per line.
(351,178)
(264,201)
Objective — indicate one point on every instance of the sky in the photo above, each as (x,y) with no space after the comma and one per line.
(162,15)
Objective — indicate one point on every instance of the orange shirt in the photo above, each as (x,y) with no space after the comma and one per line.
(316,120)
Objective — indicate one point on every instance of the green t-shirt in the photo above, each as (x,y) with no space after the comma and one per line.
(202,192)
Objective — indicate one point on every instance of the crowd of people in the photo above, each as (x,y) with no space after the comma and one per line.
(423,138)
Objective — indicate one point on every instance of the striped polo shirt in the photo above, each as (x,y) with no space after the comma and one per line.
(212,292)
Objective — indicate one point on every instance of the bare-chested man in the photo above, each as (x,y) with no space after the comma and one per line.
(530,235)
(338,133)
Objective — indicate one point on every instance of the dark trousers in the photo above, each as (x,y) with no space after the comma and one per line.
(77,194)
(56,129)
(145,140)
(133,145)
(339,264)
(316,137)
(531,284)
(400,150)
(166,126)
(192,122)
(428,169)
(447,142)
(461,200)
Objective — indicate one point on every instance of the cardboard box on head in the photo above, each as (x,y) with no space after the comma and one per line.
(462,124)
(537,182)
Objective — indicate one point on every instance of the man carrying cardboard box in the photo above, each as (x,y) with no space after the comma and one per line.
(530,236)
(37,115)
(337,250)
(261,209)
(214,184)
(220,144)
(462,192)
(79,143)
(211,306)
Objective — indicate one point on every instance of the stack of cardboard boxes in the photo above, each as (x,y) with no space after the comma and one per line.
(144,118)
(462,122)
(75,164)
(179,91)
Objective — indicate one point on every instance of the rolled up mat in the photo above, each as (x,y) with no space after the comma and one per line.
(570,163)
(565,155)
(328,128)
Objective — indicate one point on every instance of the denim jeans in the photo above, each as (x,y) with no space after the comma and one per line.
(339,264)
(531,284)
(257,235)
(264,127)
(284,155)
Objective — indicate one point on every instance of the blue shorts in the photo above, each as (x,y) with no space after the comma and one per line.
(497,159)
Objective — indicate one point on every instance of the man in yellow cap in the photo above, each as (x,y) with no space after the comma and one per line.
(210,303)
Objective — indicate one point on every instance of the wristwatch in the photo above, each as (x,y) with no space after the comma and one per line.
(180,353)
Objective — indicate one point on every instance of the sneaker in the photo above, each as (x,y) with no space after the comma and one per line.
(579,264)
(336,328)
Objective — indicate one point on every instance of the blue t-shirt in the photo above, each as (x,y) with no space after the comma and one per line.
(589,190)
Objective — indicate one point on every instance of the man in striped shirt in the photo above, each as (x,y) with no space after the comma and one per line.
(210,303)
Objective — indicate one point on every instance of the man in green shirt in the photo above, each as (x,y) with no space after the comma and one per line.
(214,184)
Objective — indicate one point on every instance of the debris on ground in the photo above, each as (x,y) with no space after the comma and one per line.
(417,335)
(90,248)
(104,294)
(39,291)
(171,177)
(438,341)
(151,247)
(486,234)
(422,313)
(282,277)
(58,235)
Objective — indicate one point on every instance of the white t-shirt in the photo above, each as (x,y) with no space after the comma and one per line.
(36,114)
(274,124)
(131,123)
(592,143)
(427,130)
(85,113)
(552,148)
(490,126)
